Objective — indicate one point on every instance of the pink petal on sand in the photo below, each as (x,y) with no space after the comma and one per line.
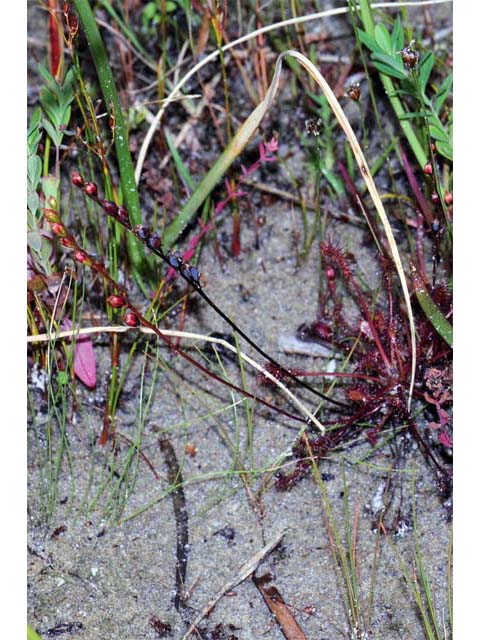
(445,439)
(84,361)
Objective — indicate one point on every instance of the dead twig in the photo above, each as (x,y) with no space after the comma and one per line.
(244,572)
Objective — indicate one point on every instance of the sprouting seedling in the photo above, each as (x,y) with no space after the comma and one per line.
(188,272)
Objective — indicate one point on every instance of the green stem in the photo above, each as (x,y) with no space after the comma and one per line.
(369,26)
(32,634)
(112,103)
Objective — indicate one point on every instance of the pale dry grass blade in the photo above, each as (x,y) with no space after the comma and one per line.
(44,337)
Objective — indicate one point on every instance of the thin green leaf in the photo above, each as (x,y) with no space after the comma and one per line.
(34,240)
(382,38)
(334,182)
(391,66)
(445,149)
(45,73)
(369,41)
(33,134)
(32,634)
(443,93)
(431,310)
(33,201)
(34,170)
(438,133)
(398,38)
(124,158)
(53,133)
(414,114)
(181,168)
(425,69)
(50,186)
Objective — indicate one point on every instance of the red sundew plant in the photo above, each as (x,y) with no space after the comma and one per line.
(378,346)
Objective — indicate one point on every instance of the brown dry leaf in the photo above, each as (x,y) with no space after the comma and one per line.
(283,615)
(203,33)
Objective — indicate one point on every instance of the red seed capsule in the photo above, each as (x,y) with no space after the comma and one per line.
(80,257)
(90,189)
(448,198)
(68,242)
(154,242)
(58,229)
(116,301)
(77,179)
(131,319)
(428,169)
(122,214)
(142,232)
(109,207)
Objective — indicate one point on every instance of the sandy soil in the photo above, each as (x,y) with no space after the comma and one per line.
(106,567)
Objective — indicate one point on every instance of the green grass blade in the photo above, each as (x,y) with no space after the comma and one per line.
(112,102)
(431,310)
(181,168)
(32,634)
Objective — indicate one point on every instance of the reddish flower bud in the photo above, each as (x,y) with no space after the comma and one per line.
(435,197)
(52,216)
(77,179)
(116,301)
(90,189)
(81,257)
(448,198)
(122,214)
(109,207)
(58,229)
(428,169)
(131,319)
(68,242)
